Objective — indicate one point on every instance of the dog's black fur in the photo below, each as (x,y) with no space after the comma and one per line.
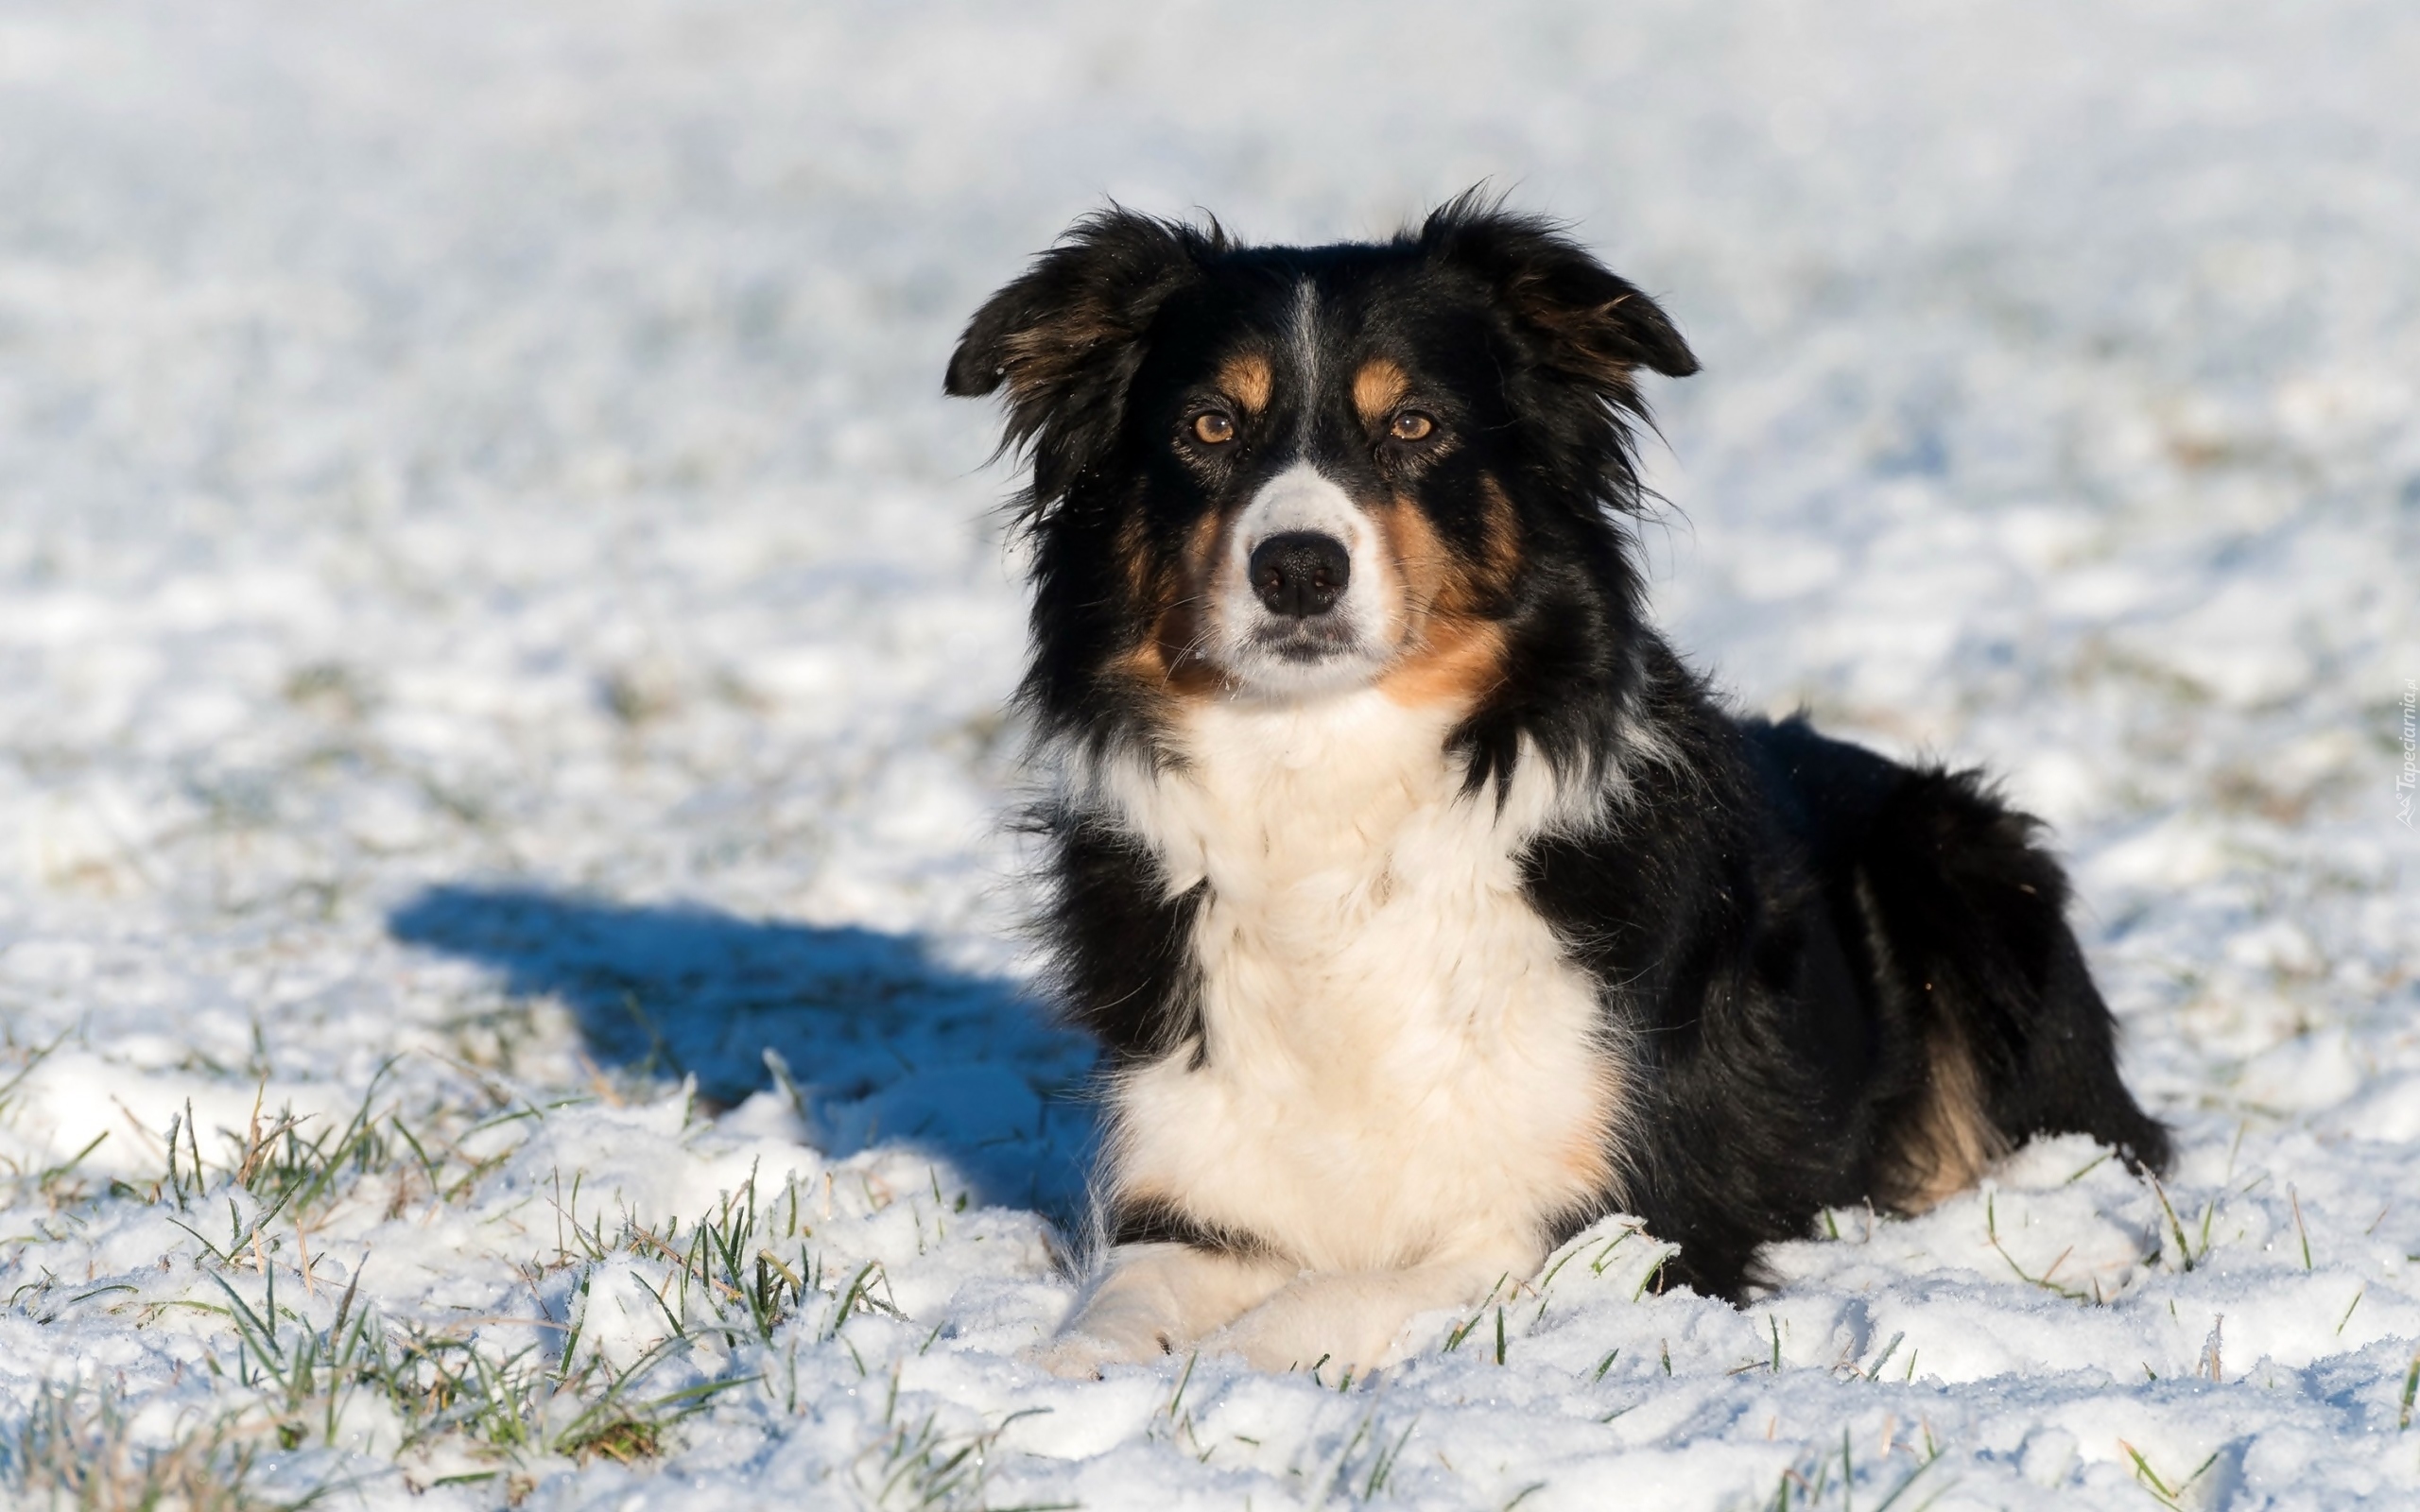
(1841,979)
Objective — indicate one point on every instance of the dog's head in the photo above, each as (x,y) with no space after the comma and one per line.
(1282,471)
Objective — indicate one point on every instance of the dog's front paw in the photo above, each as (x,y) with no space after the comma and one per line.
(1294,1333)
(1265,1349)
(1332,1324)
(1080,1354)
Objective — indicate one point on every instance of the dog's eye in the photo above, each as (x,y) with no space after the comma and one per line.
(1213,429)
(1411,425)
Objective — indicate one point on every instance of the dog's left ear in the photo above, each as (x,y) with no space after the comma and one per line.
(1066,337)
(1586,324)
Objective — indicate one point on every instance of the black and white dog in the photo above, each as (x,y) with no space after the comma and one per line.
(1426,905)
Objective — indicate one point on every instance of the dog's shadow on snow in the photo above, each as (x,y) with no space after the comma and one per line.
(885,1044)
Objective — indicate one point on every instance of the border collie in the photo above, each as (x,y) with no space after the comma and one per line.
(1426,905)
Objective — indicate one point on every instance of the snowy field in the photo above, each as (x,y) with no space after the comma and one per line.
(506,964)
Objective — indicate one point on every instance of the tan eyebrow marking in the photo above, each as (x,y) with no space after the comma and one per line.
(1377,388)
(1247,377)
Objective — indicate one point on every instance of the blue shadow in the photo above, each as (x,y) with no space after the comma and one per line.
(885,1043)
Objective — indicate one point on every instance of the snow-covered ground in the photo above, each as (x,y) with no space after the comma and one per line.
(498,628)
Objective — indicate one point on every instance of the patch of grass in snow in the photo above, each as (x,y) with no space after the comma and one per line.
(297,1368)
(1370,1457)
(439,1403)
(2188,1257)
(303,1176)
(58,1185)
(79,1448)
(2167,1495)
(724,1285)
(1826,1470)
(301,1379)
(439,1400)
(1992,1231)
(920,1465)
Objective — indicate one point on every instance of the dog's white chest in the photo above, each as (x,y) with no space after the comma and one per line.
(1397,1062)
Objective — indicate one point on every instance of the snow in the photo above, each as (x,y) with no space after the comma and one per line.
(501,630)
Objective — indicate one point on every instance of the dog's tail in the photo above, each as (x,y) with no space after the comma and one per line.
(1965,916)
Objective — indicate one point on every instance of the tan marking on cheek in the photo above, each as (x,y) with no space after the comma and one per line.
(1178,610)
(1438,579)
(1201,548)
(1248,380)
(1458,662)
(1134,552)
(1147,592)
(1145,663)
(1377,388)
(1421,562)
(1501,525)
(1452,652)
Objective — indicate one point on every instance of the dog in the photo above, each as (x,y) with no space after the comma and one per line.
(1426,904)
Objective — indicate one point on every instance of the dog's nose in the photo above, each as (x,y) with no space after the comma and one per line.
(1300,573)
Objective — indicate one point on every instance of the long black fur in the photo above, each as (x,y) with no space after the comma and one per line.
(1781,923)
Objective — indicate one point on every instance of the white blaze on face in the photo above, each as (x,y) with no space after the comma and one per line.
(1273,655)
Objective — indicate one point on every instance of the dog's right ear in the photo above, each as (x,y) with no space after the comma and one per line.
(1066,337)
